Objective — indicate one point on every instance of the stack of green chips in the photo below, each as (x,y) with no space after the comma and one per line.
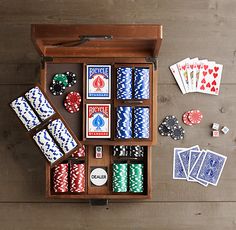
(120,177)
(136,177)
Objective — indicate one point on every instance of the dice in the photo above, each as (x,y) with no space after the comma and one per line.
(215,133)
(215,126)
(98,152)
(225,130)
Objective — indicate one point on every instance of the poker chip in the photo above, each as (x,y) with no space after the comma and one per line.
(186,119)
(71,78)
(77,177)
(163,130)
(170,121)
(136,178)
(57,88)
(177,133)
(61,77)
(120,177)
(80,152)
(60,178)
(72,102)
(195,116)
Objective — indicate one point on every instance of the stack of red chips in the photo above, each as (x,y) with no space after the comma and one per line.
(60,178)
(80,152)
(77,177)
(72,102)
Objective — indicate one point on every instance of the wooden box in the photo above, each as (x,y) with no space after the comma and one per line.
(72,47)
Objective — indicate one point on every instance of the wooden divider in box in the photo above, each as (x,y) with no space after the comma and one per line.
(105,191)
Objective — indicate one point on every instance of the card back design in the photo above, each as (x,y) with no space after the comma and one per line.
(98,80)
(98,120)
(178,172)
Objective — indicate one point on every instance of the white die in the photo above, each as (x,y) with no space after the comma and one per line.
(225,129)
(215,133)
(215,126)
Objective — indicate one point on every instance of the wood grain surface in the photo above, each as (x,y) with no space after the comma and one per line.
(203,28)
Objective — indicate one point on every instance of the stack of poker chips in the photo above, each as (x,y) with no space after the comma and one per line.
(120,177)
(72,102)
(60,178)
(141,122)
(60,81)
(128,151)
(136,178)
(126,83)
(141,83)
(80,152)
(77,177)
(170,127)
(124,122)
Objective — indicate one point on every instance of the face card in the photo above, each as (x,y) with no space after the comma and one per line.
(211,167)
(182,66)
(176,74)
(191,71)
(195,168)
(98,120)
(184,158)
(192,159)
(98,80)
(178,172)
(209,78)
(199,66)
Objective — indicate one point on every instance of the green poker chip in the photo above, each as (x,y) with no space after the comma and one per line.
(120,177)
(61,77)
(136,178)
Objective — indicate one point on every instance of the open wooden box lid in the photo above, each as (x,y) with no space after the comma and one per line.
(130,40)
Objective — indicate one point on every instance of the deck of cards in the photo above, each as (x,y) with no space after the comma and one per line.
(194,75)
(195,165)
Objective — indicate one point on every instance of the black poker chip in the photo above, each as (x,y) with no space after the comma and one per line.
(163,130)
(57,88)
(170,122)
(71,77)
(177,133)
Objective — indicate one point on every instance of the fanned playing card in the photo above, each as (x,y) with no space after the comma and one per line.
(191,71)
(182,67)
(178,172)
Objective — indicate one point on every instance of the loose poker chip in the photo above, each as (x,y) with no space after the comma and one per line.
(71,108)
(73,98)
(61,77)
(170,121)
(195,116)
(57,88)
(186,119)
(71,77)
(163,130)
(177,133)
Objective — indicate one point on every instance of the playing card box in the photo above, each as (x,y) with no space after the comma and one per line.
(94,53)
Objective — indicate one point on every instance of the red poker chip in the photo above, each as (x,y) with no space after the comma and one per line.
(195,116)
(73,98)
(186,119)
(80,152)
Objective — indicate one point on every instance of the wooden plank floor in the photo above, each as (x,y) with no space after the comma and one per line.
(203,28)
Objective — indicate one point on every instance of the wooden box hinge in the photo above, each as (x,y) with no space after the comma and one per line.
(45,59)
(153,60)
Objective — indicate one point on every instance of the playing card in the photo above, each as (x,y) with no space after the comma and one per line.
(182,67)
(176,74)
(211,167)
(184,158)
(209,78)
(178,172)
(199,66)
(191,71)
(98,81)
(192,159)
(98,120)
(195,168)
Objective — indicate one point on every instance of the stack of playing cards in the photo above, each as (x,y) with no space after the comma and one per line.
(195,165)
(194,75)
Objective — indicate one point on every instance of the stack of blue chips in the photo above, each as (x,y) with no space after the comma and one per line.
(124,83)
(141,122)
(141,83)
(124,122)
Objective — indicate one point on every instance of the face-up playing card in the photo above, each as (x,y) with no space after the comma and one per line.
(192,159)
(182,66)
(209,78)
(175,71)
(191,71)
(211,167)
(199,66)
(178,172)
(195,168)
(184,158)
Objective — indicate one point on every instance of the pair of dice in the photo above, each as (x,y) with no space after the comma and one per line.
(216,132)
